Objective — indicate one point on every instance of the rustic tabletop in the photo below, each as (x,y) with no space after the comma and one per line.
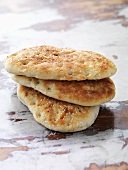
(97,25)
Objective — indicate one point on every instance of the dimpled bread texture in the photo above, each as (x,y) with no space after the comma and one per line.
(85,93)
(47,62)
(57,115)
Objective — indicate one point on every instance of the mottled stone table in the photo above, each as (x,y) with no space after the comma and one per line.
(97,25)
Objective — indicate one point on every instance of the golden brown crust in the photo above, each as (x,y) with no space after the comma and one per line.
(85,93)
(46,62)
(57,115)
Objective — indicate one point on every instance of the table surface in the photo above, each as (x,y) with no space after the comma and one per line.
(98,25)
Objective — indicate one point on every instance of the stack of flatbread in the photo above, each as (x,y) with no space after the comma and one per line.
(62,87)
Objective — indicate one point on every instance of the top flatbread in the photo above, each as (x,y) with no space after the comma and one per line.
(47,62)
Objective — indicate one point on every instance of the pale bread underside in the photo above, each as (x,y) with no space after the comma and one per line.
(85,93)
(57,115)
(46,62)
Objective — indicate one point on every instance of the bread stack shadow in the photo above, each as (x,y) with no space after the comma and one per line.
(62,87)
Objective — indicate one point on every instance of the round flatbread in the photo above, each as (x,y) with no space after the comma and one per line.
(57,115)
(85,93)
(47,62)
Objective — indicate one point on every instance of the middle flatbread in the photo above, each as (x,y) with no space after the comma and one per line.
(84,93)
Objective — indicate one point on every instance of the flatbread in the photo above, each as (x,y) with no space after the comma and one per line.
(85,93)
(47,62)
(57,115)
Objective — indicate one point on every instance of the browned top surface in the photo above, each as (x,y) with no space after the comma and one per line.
(46,62)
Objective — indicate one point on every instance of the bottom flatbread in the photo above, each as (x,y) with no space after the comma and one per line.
(57,115)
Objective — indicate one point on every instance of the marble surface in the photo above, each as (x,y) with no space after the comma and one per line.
(100,26)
